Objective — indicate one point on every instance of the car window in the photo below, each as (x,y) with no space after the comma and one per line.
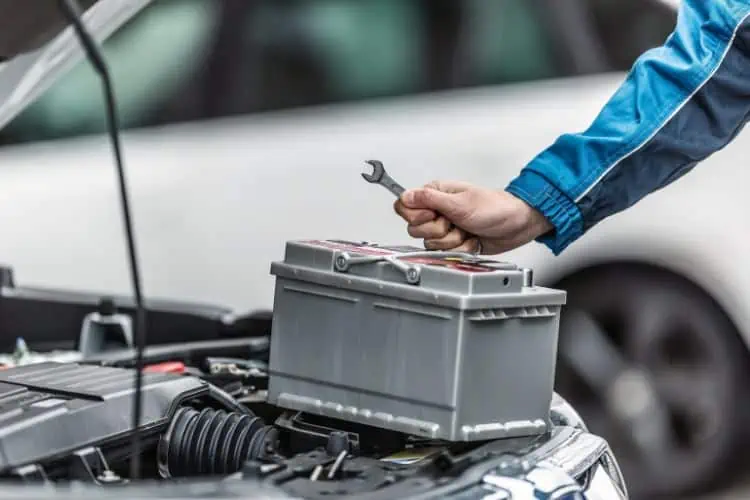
(186,60)
(144,71)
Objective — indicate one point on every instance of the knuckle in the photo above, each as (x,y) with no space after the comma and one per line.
(447,242)
(420,198)
(422,216)
(411,216)
(469,245)
(426,230)
(456,238)
(463,247)
(444,225)
(435,244)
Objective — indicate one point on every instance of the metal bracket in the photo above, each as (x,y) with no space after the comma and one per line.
(342,261)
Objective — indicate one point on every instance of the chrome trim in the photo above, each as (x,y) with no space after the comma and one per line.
(562,413)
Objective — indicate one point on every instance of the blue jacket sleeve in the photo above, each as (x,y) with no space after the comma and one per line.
(680,103)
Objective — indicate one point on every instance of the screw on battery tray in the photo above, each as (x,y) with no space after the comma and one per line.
(341,262)
(412,275)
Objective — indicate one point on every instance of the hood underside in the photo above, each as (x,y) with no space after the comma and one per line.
(37,47)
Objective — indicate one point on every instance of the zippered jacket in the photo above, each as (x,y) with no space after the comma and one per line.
(680,103)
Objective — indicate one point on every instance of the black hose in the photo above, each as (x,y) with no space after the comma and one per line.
(91,48)
(212,442)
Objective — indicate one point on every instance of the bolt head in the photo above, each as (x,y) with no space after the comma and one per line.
(341,262)
(412,275)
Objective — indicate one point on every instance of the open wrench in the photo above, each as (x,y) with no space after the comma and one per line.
(380,176)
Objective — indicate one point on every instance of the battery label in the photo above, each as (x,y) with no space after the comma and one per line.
(465,264)
(363,248)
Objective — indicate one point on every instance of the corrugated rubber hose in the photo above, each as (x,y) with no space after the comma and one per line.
(212,442)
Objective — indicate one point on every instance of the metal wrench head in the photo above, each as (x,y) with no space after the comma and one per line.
(380,176)
(378,170)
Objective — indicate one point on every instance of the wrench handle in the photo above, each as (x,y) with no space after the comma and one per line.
(392,186)
(396,189)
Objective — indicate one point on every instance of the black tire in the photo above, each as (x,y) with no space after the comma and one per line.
(663,327)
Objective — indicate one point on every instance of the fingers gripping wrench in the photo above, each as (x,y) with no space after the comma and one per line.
(380,176)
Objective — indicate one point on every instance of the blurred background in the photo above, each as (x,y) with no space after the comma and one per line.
(247,121)
(191,60)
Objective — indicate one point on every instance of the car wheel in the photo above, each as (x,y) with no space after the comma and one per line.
(656,367)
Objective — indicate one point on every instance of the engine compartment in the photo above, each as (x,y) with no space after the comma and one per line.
(71,421)
(208,427)
(62,423)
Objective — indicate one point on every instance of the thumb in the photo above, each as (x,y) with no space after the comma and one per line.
(449,186)
(448,204)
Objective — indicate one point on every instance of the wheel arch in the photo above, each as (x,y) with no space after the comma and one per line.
(696,278)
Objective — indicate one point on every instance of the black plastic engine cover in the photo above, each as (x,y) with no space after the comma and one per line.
(49,410)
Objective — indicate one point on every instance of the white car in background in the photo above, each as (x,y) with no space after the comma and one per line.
(654,339)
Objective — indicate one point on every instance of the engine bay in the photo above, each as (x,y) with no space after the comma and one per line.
(63,423)
(208,427)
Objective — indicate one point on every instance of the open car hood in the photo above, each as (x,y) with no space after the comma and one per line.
(37,47)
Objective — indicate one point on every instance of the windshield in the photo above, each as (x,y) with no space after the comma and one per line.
(187,60)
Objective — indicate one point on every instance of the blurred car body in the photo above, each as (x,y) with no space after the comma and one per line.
(250,129)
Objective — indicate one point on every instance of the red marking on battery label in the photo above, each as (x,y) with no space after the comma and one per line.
(451,263)
(364,249)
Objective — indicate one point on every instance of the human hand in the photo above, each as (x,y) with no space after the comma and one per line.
(457,216)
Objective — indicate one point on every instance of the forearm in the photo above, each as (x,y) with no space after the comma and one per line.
(679,104)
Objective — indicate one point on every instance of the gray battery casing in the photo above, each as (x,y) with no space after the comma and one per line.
(455,354)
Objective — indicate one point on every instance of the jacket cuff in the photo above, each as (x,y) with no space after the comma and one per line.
(555,205)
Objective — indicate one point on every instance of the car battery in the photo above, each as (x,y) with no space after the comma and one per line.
(434,344)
